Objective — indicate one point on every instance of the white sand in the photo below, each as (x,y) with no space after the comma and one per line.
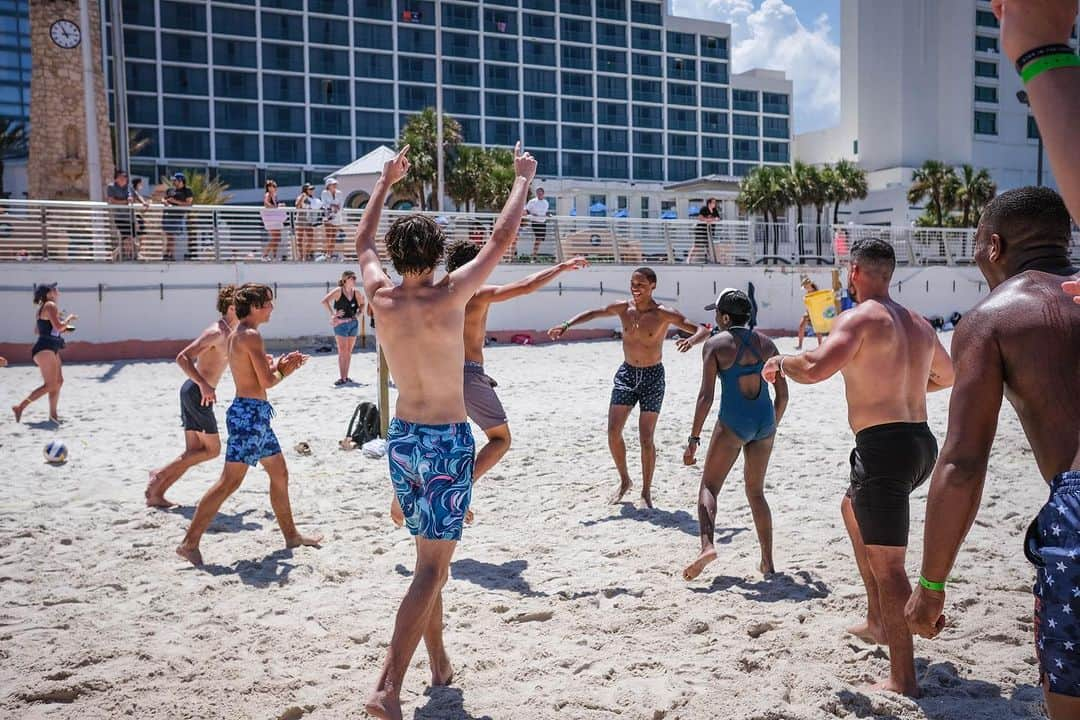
(559,605)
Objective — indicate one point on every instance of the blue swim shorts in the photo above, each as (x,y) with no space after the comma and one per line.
(250,436)
(639,384)
(348,329)
(431,467)
(1053,546)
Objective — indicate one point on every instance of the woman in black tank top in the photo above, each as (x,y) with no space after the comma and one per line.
(345,304)
(46,352)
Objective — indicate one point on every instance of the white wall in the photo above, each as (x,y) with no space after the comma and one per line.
(180,313)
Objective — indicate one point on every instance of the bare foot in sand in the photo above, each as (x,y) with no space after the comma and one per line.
(154,497)
(694,569)
(869,633)
(624,487)
(56,419)
(396,515)
(469,517)
(192,555)
(890,685)
(646,497)
(17,409)
(442,673)
(298,540)
(383,705)
(767,569)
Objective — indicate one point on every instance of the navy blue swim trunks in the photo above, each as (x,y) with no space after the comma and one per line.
(635,385)
(1053,546)
(250,436)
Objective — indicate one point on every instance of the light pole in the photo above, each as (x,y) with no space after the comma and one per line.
(1022,96)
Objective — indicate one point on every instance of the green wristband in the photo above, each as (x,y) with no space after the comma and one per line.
(929,585)
(1050,62)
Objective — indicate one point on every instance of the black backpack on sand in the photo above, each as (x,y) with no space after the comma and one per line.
(364,425)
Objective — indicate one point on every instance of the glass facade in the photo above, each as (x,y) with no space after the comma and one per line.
(15,60)
(601,86)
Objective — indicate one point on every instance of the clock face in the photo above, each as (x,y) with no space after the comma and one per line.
(65,34)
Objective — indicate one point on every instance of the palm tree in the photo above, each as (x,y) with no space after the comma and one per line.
(465,177)
(936,183)
(420,133)
(975,189)
(850,185)
(13,140)
(799,179)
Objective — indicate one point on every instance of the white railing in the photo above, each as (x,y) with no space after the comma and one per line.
(84,231)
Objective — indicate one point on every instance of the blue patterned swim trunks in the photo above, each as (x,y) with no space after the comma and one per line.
(636,384)
(1053,546)
(431,467)
(250,436)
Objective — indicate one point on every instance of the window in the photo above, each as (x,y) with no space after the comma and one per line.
(500,77)
(140,44)
(461,102)
(141,76)
(682,145)
(545,5)
(538,26)
(330,122)
(774,127)
(775,103)
(328,62)
(681,94)
(184,16)
(649,143)
(647,116)
(714,47)
(714,97)
(575,137)
(540,80)
(500,21)
(577,84)
(187,113)
(283,57)
(608,140)
(576,57)
(709,167)
(577,111)
(611,87)
(715,147)
(1032,128)
(418,12)
(775,152)
(576,30)
(541,135)
(985,18)
(325,151)
(611,9)
(646,39)
(613,61)
(329,7)
(985,123)
(714,122)
(138,13)
(646,168)
(187,144)
(142,110)
(681,68)
(501,49)
(647,65)
(236,115)
(745,125)
(608,34)
(284,118)
(682,120)
(501,132)
(746,149)
(538,53)
(325,91)
(986,44)
(459,73)
(374,95)
(236,53)
(576,7)
(611,114)
(460,16)
(742,169)
(714,72)
(577,165)
(185,81)
(501,105)
(986,94)
(648,13)
(375,124)
(236,85)
(613,166)
(413,69)
(461,45)
(372,65)
(682,43)
(237,146)
(414,97)
(327,32)
(282,27)
(415,40)
(648,91)
(285,4)
(285,149)
(376,37)
(986,69)
(541,108)
(744,100)
(375,9)
(682,170)
(183,48)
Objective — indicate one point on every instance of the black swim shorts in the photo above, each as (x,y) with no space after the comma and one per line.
(888,462)
(194,415)
(643,385)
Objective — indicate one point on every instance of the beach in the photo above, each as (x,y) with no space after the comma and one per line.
(559,604)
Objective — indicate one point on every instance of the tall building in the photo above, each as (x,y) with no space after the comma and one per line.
(925,80)
(15,60)
(601,91)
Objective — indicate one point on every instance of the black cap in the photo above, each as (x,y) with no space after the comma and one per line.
(732,302)
(42,290)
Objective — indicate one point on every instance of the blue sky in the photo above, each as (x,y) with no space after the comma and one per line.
(800,37)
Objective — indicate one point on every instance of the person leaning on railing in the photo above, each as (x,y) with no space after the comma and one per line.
(178,199)
(118,193)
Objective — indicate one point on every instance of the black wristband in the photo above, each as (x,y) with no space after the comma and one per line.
(694,439)
(1042,51)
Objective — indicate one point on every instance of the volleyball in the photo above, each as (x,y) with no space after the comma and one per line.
(56,452)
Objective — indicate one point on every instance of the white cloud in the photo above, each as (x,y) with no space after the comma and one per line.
(769,34)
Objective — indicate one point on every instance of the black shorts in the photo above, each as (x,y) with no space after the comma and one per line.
(888,462)
(635,385)
(193,414)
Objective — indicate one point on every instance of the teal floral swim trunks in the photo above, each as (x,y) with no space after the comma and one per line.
(431,467)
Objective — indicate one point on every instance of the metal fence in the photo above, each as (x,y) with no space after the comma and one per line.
(83,231)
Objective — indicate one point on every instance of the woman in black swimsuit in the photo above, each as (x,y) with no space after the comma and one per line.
(345,304)
(46,352)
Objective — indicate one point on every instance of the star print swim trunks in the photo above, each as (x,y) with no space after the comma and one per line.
(250,436)
(431,467)
(639,384)
(1053,546)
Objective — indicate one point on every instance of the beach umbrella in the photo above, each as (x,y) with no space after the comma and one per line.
(598,210)
(573,212)
(442,220)
(668,215)
(694,211)
(621,213)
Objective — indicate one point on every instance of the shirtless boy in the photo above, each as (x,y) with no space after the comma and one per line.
(640,379)
(203,361)
(251,439)
(1022,341)
(429,446)
(890,358)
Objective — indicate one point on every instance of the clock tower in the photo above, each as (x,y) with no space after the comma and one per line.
(57,166)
